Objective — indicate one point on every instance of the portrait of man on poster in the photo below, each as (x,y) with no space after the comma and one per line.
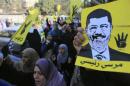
(98,30)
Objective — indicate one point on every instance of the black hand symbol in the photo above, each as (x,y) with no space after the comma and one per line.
(75,8)
(121,40)
(24,27)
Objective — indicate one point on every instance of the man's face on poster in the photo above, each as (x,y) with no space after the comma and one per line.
(98,31)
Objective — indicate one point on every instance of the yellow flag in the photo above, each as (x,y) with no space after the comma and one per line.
(113,66)
(121,23)
(119,40)
(74,5)
(58,8)
(20,36)
(34,11)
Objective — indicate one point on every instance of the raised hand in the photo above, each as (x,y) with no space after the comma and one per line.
(121,40)
(78,40)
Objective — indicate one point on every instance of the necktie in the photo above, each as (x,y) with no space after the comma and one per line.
(100,57)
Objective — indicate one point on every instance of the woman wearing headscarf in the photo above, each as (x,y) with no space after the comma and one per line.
(34,39)
(46,74)
(29,58)
(63,63)
(62,56)
(26,67)
(47,46)
(20,73)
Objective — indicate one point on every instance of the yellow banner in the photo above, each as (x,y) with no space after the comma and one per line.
(58,8)
(34,11)
(20,36)
(120,36)
(112,66)
(74,5)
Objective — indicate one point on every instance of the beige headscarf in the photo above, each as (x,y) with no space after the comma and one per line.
(32,57)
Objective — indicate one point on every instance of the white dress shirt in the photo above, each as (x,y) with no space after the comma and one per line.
(105,54)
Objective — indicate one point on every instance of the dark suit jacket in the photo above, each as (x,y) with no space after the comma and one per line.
(102,78)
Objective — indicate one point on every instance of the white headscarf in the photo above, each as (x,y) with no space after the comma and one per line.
(62,58)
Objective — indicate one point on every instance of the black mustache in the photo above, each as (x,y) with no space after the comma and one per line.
(98,35)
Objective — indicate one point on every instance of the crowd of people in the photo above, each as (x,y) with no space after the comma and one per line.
(46,58)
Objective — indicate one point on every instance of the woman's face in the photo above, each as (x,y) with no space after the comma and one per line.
(61,50)
(25,59)
(39,77)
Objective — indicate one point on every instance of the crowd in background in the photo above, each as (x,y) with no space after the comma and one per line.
(46,58)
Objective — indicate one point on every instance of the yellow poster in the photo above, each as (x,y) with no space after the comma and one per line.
(121,24)
(74,6)
(58,8)
(20,36)
(113,66)
(107,32)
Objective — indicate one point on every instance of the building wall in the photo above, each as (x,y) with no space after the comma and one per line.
(14,18)
(29,3)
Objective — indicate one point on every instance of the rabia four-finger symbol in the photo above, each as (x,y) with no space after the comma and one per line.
(25,26)
(121,40)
